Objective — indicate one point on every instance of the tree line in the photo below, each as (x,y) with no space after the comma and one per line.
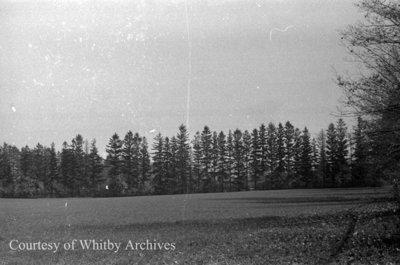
(268,157)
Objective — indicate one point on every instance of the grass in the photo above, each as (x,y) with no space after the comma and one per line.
(330,226)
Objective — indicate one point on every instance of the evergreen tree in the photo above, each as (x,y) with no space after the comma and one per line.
(144,164)
(78,163)
(322,170)
(289,148)
(39,169)
(271,153)
(113,162)
(246,159)
(230,159)
(255,155)
(262,133)
(342,152)
(67,167)
(222,161)
(280,157)
(128,161)
(331,154)
(297,144)
(95,168)
(183,160)
(314,163)
(53,170)
(174,177)
(6,176)
(26,162)
(158,165)
(197,161)
(238,160)
(169,165)
(214,162)
(280,148)
(360,164)
(306,162)
(206,147)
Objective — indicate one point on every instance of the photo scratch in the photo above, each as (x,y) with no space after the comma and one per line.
(280,30)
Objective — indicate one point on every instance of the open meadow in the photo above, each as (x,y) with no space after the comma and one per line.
(318,226)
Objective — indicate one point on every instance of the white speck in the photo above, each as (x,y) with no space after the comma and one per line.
(66,204)
(152,131)
(106,187)
(13,108)
(30,45)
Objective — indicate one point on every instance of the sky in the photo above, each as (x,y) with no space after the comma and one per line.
(100,67)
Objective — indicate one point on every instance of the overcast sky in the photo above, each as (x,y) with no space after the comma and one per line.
(96,68)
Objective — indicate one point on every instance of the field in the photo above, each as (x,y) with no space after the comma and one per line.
(327,226)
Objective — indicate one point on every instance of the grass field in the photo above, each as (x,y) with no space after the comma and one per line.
(327,226)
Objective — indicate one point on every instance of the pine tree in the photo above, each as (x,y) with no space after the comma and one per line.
(360,164)
(246,159)
(229,159)
(214,162)
(183,160)
(85,177)
(206,147)
(255,157)
(53,170)
(331,153)
(280,156)
(169,165)
(271,153)
(262,133)
(95,168)
(128,161)
(280,148)
(173,179)
(238,160)
(197,161)
(306,162)
(289,148)
(136,163)
(222,161)
(78,162)
(39,168)
(6,176)
(113,162)
(26,162)
(314,163)
(158,165)
(297,143)
(67,167)
(144,164)
(322,170)
(342,152)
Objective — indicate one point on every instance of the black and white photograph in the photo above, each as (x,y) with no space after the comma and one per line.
(213,132)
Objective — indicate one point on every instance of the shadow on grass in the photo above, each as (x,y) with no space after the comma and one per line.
(312,200)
